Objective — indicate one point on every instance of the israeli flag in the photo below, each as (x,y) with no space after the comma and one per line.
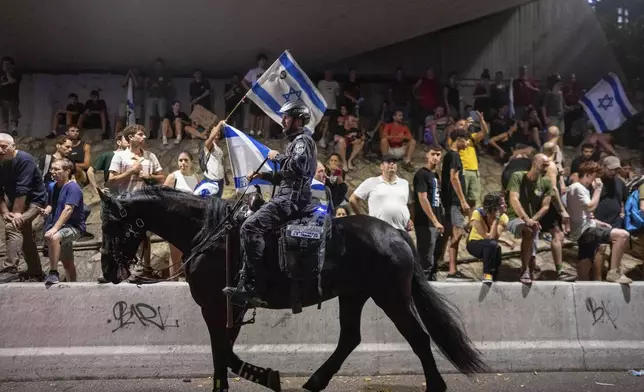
(606,104)
(131,116)
(246,154)
(285,81)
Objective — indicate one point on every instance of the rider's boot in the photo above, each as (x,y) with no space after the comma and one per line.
(252,284)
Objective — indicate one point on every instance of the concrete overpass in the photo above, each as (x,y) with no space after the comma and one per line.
(218,36)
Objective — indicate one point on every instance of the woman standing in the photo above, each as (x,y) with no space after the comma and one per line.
(184,180)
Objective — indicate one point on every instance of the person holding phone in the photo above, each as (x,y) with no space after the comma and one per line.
(335,180)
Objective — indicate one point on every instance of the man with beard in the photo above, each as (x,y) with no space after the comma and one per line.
(588,153)
(530,194)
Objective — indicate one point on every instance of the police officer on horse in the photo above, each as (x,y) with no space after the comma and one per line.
(296,169)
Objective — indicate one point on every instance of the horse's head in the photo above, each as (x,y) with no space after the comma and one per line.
(123,232)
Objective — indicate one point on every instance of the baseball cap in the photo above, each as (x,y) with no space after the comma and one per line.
(612,163)
(388,158)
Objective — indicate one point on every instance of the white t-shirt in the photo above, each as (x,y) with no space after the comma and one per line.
(185,183)
(330,91)
(578,199)
(254,74)
(387,201)
(124,160)
(215,164)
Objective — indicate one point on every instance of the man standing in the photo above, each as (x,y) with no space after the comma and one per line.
(397,141)
(160,91)
(200,91)
(428,213)
(104,161)
(456,206)
(387,196)
(257,115)
(330,90)
(80,154)
(22,185)
(297,168)
(9,96)
(471,175)
(589,232)
(131,170)
(525,90)
(530,196)
(65,220)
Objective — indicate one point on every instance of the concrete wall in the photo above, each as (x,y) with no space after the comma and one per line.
(90,331)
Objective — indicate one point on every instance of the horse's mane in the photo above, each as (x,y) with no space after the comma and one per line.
(171,198)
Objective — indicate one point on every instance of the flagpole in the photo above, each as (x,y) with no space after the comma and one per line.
(236,106)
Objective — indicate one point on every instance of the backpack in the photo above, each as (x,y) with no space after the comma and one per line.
(633,217)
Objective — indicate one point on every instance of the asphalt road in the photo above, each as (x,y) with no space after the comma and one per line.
(522,382)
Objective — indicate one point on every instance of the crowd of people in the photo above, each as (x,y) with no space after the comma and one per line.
(525,135)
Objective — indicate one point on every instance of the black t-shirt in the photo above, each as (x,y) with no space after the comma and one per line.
(451,161)
(613,194)
(93,120)
(400,92)
(10,92)
(453,96)
(182,116)
(233,99)
(574,166)
(353,89)
(198,88)
(78,108)
(500,125)
(426,180)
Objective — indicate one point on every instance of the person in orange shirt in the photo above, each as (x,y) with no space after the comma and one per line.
(396,140)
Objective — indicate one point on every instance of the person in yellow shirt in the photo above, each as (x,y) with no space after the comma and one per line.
(470,161)
(488,223)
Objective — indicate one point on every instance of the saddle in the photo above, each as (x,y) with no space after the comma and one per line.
(301,245)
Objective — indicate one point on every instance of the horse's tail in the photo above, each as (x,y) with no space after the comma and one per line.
(443,322)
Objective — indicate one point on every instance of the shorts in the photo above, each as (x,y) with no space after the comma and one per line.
(9,111)
(472,191)
(590,240)
(551,220)
(156,107)
(68,234)
(515,226)
(138,110)
(397,152)
(455,218)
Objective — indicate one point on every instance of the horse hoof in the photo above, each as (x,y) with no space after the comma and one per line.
(273,380)
(313,385)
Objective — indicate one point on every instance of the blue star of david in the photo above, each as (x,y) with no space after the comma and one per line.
(292,91)
(606,102)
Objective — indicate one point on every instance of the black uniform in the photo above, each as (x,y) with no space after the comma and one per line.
(297,168)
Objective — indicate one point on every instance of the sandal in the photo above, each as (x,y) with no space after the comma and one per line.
(526,278)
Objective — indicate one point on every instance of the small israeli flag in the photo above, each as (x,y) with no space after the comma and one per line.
(606,104)
(285,81)
(246,154)
(131,116)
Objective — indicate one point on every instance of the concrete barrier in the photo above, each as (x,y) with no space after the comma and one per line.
(87,330)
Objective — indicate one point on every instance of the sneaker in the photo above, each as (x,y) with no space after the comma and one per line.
(52,278)
(565,276)
(7,277)
(177,140)
(101,279)
(259,133)
(165,141)
(616,276)
(488,278)
(322,143)
(458,277)
(252,133)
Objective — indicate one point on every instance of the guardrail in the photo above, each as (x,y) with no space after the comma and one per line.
(86,330)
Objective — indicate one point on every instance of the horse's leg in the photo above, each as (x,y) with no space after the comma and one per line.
(267,377)
(400,309)
(350,313)
(216,322)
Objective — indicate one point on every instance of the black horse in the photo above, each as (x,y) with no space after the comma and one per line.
(366,258)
